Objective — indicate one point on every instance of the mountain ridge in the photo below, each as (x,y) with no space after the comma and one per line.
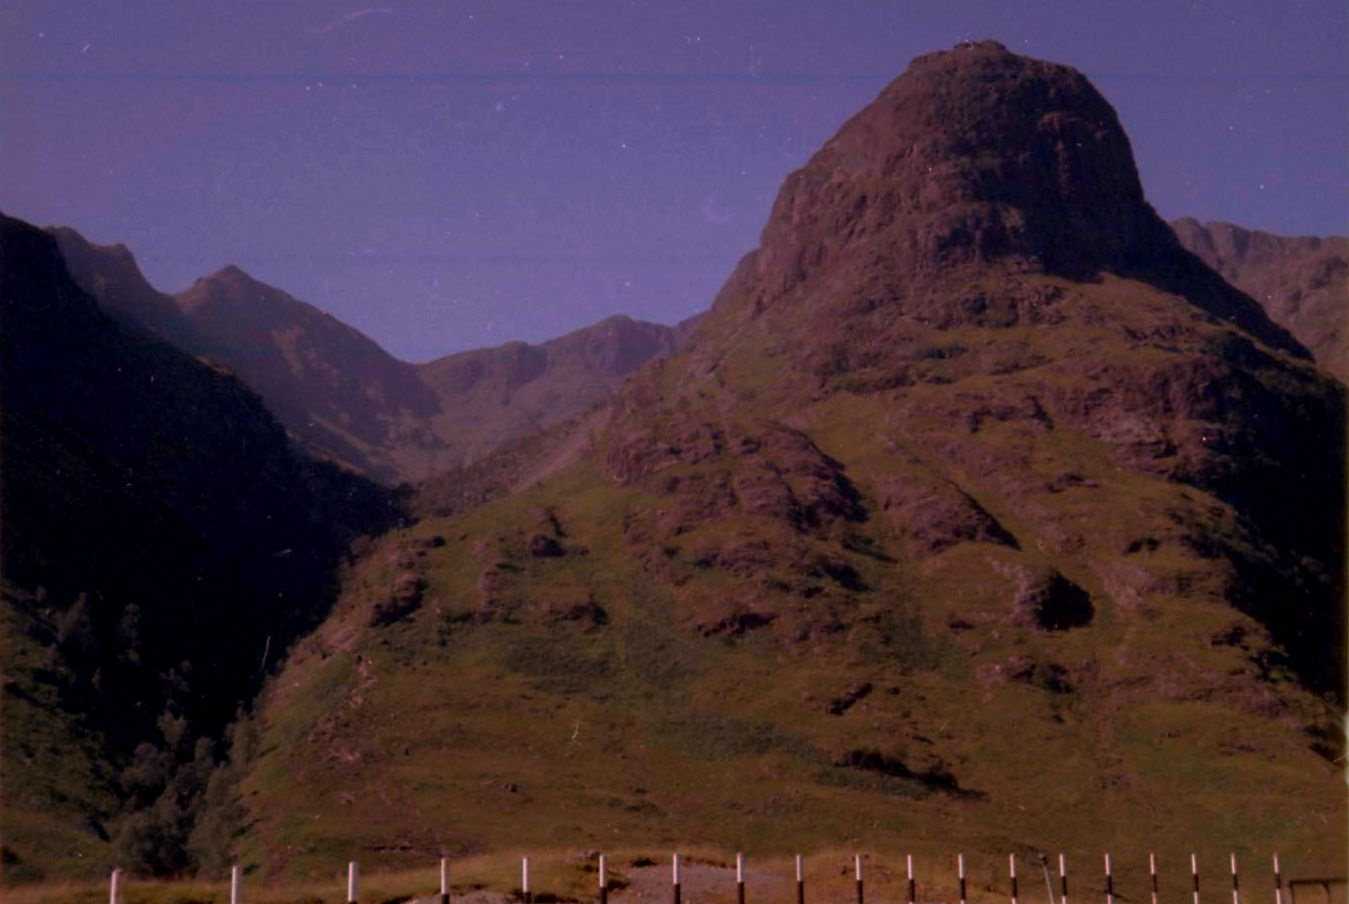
(346,398)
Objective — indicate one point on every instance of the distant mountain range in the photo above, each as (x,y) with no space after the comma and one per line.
(347,399)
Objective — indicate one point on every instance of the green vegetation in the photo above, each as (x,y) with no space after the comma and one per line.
(459,731)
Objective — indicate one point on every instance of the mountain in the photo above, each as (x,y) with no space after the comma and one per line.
(491,397)
(1302,282)
(333,386)
(348,400)
(110,274)
(335,389)
(162,546)
(977,514)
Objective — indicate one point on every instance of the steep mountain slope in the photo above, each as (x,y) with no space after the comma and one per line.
(1302,282)
(977,514)
(162,546)
(346,398)
(336,387)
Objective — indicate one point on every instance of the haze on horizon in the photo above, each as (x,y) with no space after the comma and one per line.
(451,176)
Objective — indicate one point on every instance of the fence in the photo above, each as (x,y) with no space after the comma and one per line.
(1300,891)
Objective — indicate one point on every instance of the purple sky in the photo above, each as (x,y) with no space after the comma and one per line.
(444,175)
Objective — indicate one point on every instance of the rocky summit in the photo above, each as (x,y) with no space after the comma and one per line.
(977,511)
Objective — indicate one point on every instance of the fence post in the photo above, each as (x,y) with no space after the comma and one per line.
(740,879)
(115,887)
(1063,879)
(1152,874)
(1236,892)
(352,881)
(1109,882)
(674,876)
(960,868)
(235,889)
(857,874)
(908,867)
(524,879)
(444,881)
(1194,877)
(1278,882)
(1011,869)
(604,880)
(800,882)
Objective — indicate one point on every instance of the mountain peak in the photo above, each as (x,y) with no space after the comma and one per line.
(972,153)
(973,158)
(231,285)
(231,273)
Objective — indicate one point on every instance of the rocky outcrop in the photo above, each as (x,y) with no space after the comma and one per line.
(973,156)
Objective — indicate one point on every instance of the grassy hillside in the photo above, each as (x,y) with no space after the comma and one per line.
(977,515)
(585,710)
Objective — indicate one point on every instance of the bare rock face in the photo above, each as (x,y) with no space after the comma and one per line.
(973,156)
(542,546)
(932,514)
(403,598)
(1045,600)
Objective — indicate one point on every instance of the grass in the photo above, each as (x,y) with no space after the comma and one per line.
(467,737)
(55,779)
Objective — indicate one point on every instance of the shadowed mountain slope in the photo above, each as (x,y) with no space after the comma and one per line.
(976,514)
(162,546)
(1303,282)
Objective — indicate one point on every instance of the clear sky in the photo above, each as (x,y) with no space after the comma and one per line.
(444,175)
